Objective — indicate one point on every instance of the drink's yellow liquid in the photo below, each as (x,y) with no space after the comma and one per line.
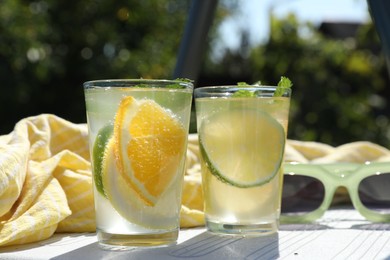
(236,138)
(135,221)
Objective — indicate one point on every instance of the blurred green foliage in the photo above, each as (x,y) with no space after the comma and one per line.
(48,48)
(341,87)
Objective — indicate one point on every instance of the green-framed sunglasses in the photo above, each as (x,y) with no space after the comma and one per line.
(308,189)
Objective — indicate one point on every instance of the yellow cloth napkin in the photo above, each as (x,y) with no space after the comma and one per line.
(314,152)
(192,198)
(46,180)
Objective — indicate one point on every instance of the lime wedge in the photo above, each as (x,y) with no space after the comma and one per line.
(98,152)
(242,148)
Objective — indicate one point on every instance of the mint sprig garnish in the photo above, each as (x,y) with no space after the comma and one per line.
(244,92)
(179,80)
(184,79)
(284,84)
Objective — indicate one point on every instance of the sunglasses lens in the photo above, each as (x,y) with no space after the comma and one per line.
(374,192)
(301,194)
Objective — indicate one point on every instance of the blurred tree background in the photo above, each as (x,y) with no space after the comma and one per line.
(341,86)
(49,48)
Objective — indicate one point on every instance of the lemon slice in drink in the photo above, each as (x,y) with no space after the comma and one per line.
(149,147)
(126,201)
(242,148)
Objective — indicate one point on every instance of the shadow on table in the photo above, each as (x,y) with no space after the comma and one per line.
(55,240)
(373,226)
(203,246)
(303,227)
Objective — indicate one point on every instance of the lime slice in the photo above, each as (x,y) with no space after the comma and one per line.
(99,147)
(243,148)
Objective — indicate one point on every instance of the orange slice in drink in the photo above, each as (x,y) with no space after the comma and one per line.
(149,144)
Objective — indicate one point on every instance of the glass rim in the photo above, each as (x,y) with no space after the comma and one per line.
(224,87)
(217,91)
(154,83)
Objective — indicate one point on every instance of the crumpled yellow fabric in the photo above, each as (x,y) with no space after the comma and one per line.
(192,197)
(354,152)
(46,180)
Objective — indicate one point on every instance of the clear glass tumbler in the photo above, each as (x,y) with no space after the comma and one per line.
(138,137)
(242,135)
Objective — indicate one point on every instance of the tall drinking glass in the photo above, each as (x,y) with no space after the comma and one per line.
(242,135)
(138,137)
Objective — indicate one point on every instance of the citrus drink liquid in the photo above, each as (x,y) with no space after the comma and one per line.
(242,145)
(138,138)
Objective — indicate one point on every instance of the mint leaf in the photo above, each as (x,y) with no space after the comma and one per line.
(242,84)
(179,80)
(284,84)
(243,92)
(184,80)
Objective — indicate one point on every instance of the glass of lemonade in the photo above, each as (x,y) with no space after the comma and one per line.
(138,137)
(242,135)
